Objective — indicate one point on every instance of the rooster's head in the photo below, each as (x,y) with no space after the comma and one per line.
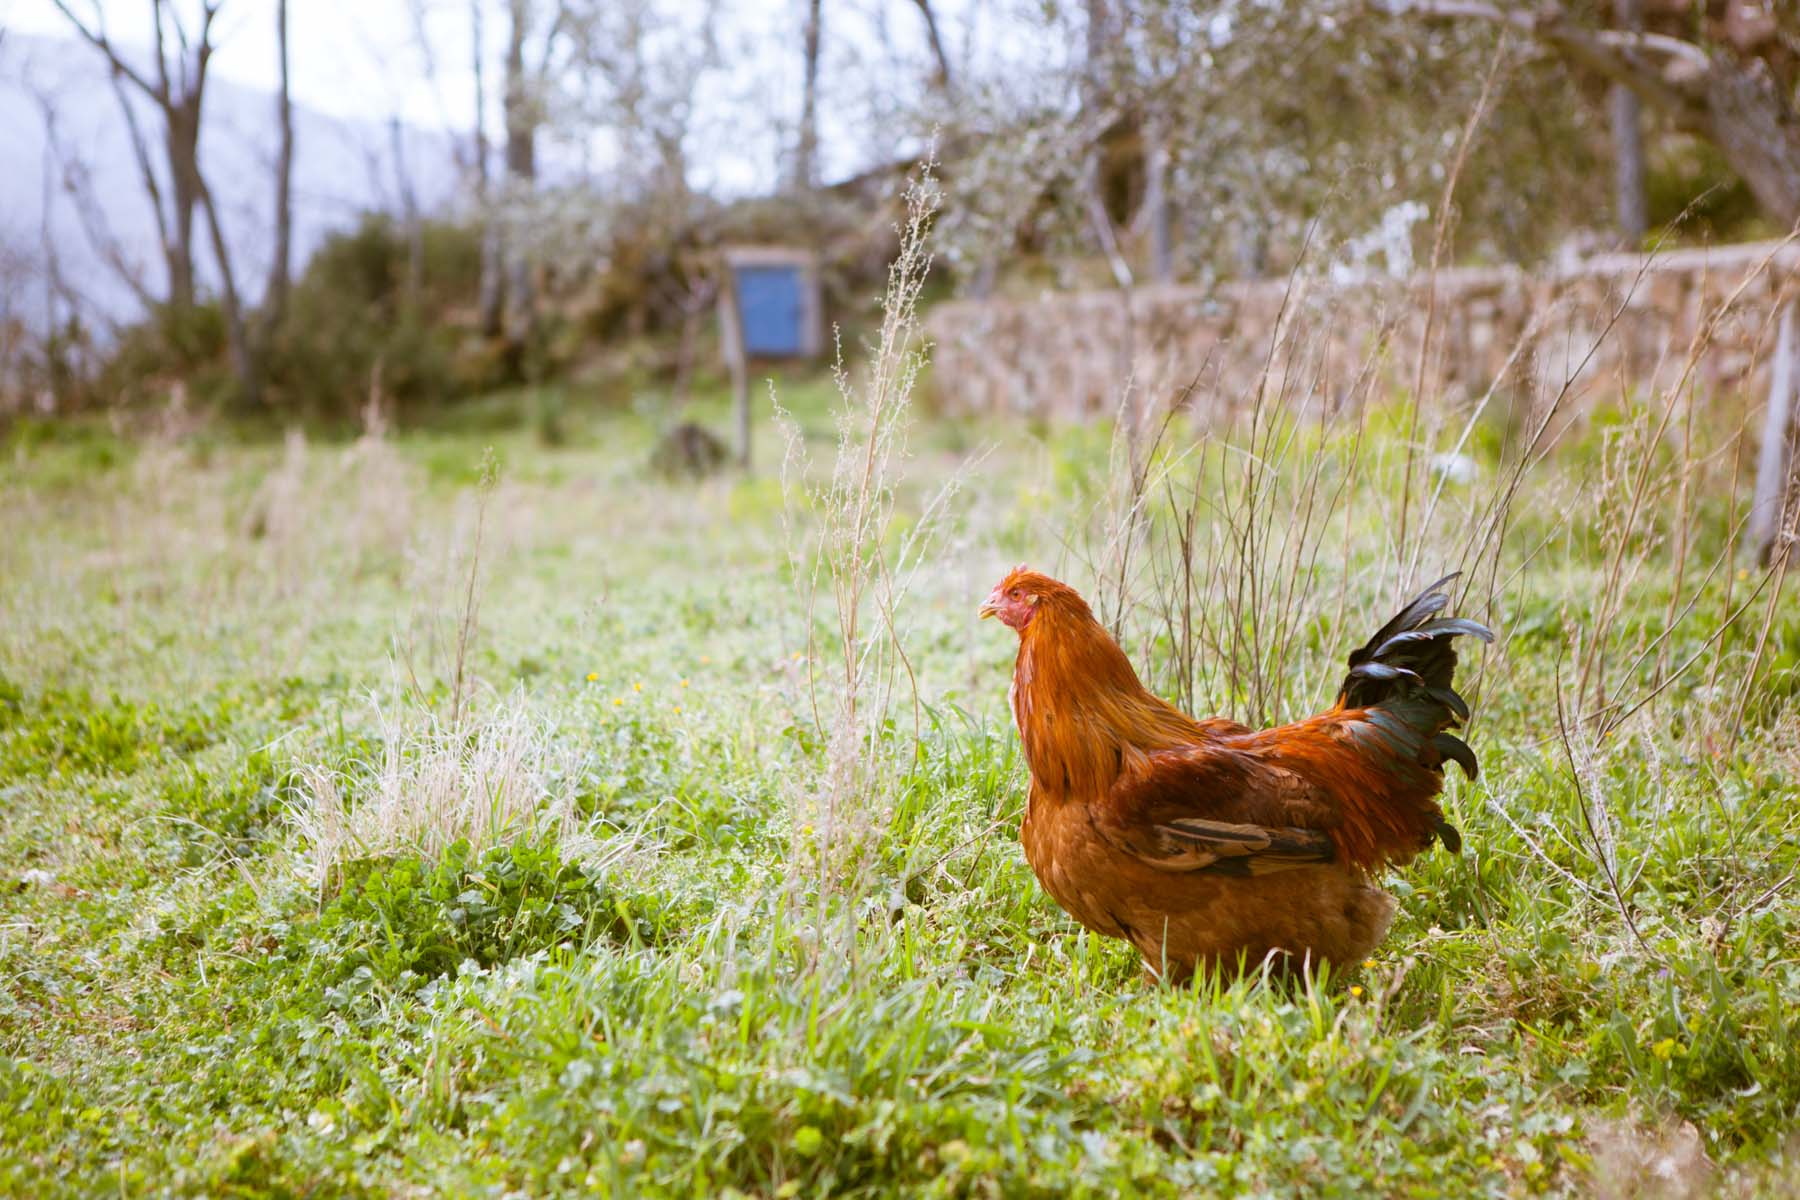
(1018,597)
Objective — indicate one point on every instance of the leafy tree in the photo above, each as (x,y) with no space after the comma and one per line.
(1727,71)
(1228,134)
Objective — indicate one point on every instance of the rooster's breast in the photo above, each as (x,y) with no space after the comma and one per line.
(1077,867)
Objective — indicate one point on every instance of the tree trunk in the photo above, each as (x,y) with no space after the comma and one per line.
(520,106)
(491,297)
(1251,249)
(491,293)
(520,110)
(1774,494)
(182,146)
(806,155)
(1156,197)
(176,86)
(981,284)
(237,335)
(1094,91)
(275,295)
(1629,200)
(1733,101)
(943,79)
(1757,129)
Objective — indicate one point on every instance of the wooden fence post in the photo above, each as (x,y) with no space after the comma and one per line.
(1775,458)
(731,343)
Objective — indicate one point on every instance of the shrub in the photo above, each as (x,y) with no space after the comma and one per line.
(358,328)
(372,314)
(172,348)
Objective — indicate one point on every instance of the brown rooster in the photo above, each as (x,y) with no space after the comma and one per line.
(1207,844)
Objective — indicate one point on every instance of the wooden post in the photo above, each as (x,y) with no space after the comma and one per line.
(731,343)
(1774,460)
(1630,201)
(1156,196)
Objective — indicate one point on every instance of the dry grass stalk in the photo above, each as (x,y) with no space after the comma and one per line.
(318,516)
(855,563)
(1216,552)
(1221,554)
(441,647)
(486,783)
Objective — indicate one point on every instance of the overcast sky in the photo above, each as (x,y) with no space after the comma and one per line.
(350,57)
(362,58)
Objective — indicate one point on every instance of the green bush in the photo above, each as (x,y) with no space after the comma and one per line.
(360,322)
(372,312)
(172,347)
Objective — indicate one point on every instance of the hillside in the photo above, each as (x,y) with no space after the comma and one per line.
(341,169)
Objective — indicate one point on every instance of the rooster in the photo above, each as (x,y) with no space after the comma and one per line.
(1212,846)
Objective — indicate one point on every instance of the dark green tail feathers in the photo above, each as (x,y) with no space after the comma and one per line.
(1408,669)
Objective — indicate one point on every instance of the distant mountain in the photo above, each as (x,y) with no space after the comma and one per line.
(342,169)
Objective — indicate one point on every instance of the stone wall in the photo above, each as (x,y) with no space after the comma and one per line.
(1601,322)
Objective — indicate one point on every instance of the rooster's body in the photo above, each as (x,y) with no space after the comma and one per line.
(1207,844)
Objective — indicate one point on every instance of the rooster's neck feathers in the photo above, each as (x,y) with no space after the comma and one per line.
(1083,715)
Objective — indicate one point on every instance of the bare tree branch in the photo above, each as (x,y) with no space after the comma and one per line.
(1554,23)
(96,37)
(944,79)
(77,184)
(243,358)
(140,152)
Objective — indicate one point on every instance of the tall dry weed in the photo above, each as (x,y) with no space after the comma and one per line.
(1244,557)
(1247,551)
(854,565)
(448,769)
(436,645)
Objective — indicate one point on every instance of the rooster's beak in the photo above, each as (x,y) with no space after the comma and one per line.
(989,607)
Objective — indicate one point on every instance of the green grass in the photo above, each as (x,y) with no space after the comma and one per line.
(660,1003)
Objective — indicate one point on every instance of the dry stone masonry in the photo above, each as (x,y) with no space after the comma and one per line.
(1598,323)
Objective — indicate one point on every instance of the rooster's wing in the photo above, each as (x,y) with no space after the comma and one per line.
(1216,808)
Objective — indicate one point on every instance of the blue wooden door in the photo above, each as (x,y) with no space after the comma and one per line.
(769,299)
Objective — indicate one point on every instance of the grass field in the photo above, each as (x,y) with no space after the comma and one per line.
(369,830)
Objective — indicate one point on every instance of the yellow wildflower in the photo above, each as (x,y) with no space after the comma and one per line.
(1356,991)
(618,700)
(593,675)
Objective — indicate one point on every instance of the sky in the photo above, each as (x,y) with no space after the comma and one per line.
(363,59)
(350,58)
